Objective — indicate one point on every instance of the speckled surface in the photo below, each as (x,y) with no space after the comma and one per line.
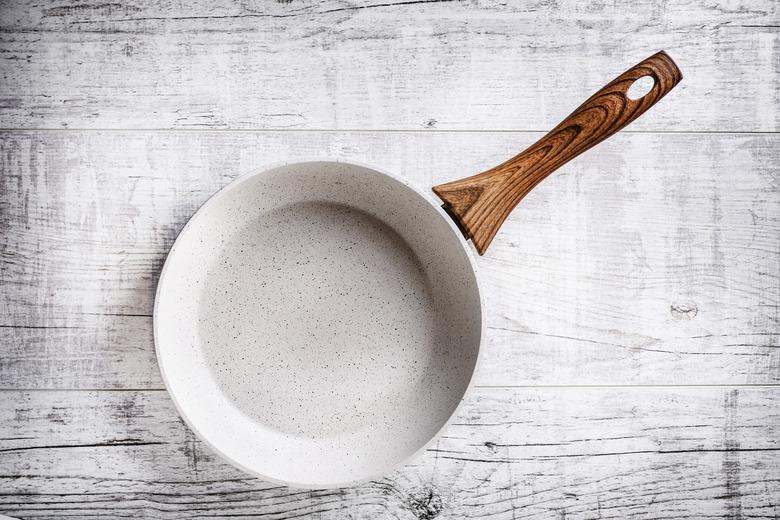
(281,300)
(318,323)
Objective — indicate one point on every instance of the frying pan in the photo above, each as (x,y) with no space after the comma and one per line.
(317,324)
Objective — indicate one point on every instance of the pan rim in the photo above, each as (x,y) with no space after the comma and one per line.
(465,246)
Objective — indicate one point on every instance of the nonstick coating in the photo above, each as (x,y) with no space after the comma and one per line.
(318,323)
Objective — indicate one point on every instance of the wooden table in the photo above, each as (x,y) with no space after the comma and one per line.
(632,364)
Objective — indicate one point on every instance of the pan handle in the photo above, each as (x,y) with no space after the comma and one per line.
(481,203)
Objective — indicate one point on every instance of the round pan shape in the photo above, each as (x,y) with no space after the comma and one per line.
(318,323)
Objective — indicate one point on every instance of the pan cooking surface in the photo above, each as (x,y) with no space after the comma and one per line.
(314,313)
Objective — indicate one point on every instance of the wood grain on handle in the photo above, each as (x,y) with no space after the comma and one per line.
(482,202)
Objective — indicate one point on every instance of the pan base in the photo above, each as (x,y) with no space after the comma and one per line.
(315,316)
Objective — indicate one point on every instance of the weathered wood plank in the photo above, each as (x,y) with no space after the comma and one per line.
(510,453)
(377,65)
(641,263)
(655,260)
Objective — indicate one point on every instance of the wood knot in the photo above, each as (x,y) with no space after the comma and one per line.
(426,504)
(684,311)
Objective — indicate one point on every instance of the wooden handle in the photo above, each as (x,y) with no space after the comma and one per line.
(481,203)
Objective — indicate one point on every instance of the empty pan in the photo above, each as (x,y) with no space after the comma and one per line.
(317,324)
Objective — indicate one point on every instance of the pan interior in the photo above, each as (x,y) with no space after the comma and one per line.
(318,323)
(312,314)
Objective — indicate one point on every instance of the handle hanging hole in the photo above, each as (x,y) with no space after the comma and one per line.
(641,87)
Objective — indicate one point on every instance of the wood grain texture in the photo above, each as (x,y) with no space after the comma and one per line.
(481,203)
(510,453)
(639,264)
(347,64)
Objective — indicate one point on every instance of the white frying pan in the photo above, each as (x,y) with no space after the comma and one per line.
(317,324)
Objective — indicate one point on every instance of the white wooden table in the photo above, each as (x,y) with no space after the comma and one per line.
(632,365)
